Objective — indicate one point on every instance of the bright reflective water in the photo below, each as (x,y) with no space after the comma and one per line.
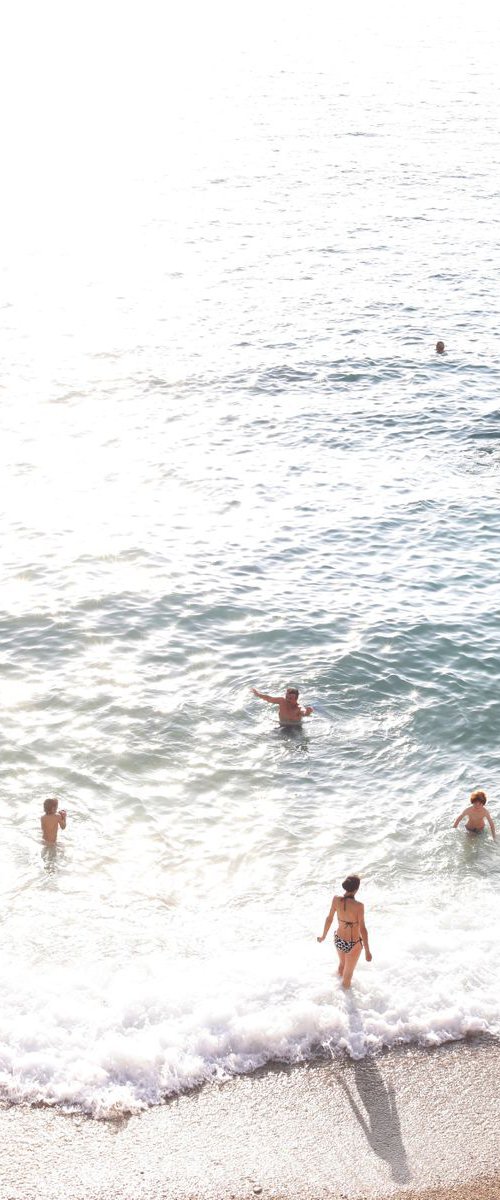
(231,457)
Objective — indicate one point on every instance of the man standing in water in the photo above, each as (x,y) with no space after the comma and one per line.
(289,711)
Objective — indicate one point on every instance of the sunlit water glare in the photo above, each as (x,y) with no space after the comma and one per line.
(230,456)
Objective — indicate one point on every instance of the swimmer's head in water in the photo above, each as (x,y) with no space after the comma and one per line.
(50,805)
(478,798)
(439,347)
(351,884)
(292,693)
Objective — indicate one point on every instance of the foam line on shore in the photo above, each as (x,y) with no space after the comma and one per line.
(385,1126)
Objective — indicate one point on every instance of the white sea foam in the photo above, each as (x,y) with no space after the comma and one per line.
(116,1039)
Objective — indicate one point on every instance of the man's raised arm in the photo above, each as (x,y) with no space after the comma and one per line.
(262,696)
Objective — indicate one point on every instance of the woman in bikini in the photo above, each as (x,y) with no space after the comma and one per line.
(352,934)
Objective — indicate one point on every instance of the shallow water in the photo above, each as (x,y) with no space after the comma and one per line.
(231,457)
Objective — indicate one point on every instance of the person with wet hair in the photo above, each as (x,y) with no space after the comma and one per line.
(440,348)
(52,820)
(289,711)
(351,937)
(475,813)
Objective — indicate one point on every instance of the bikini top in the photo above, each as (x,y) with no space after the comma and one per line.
(344,922)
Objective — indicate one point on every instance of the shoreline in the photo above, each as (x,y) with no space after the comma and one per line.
(392,1126)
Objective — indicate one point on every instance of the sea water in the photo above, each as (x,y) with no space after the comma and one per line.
(230,456)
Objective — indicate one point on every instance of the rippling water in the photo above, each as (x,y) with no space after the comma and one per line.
(231,457)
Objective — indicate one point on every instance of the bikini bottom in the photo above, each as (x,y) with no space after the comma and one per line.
(344,946)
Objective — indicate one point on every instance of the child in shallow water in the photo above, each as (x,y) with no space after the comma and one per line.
(476,813)
(52,820)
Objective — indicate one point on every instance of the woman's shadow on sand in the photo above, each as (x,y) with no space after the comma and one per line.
(379,1120)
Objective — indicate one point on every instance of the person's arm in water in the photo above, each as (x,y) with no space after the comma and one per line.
(491,824)
(270,699)
(61,817)
(329,920)
(460,818)
(306,712)
(364,935)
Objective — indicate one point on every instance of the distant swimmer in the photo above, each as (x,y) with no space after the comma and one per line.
(52,821)
(475,813)
(352,935)
(440,348)
(289,712)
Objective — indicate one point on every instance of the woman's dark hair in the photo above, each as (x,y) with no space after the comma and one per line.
(351,884)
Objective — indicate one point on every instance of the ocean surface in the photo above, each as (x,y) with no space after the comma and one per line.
(230,457)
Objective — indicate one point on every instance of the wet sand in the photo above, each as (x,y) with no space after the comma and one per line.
(393,1126)
(486,1189)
